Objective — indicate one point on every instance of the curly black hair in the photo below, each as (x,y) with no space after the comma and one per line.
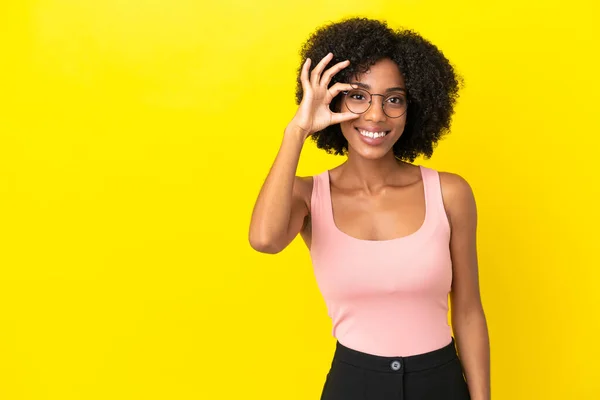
(431,81)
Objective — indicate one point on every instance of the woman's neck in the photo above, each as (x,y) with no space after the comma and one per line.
(370,175)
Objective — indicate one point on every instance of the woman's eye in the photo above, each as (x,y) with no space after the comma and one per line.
(397,100)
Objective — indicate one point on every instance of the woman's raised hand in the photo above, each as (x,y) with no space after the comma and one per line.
(314,113)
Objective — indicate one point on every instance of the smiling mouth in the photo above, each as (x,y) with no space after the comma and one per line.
(372,135)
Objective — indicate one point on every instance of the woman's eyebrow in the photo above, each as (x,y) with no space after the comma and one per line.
(392,89)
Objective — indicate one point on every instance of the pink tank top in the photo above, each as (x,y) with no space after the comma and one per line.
(388,297)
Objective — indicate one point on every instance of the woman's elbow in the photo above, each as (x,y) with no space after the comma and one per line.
(264,245)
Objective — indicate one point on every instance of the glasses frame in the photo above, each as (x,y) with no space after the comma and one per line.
(345,93)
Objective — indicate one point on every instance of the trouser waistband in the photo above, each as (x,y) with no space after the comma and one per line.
(414,363)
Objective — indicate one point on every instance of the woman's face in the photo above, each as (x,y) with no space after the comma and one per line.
(373,134)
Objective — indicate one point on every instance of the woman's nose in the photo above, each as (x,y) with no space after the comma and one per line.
(375,111)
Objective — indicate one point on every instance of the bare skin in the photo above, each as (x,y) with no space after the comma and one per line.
(374,197)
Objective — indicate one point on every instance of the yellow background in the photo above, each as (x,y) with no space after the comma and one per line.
(134,136)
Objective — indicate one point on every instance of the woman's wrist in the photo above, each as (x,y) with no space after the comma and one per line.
(294,131)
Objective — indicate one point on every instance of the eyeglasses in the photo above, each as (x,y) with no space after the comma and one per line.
(358,101)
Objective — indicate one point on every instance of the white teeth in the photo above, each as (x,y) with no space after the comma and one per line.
(374,135)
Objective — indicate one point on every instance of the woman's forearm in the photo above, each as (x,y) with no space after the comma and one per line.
(472,341)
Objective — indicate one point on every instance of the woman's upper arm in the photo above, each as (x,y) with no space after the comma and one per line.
(300,207)
(460,203)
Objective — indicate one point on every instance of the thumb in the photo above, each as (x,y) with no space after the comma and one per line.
(336,118)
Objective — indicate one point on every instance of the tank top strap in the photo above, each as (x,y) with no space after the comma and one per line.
(320,206)
(433,196)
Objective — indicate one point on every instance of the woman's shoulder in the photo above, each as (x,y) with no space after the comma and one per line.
(453,183)
(450,180)
(457,194)
(303,187)
(304,182)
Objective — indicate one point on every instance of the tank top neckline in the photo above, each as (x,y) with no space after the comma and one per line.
(422,230)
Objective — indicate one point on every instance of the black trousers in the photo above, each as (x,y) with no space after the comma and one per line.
(436,375)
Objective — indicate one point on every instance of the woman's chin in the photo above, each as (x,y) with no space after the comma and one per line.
(367,151)
(370,153)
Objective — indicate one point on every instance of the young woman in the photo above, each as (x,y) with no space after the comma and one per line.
(389,240)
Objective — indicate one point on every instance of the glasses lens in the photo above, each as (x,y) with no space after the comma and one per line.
(395,105)
(358,100)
